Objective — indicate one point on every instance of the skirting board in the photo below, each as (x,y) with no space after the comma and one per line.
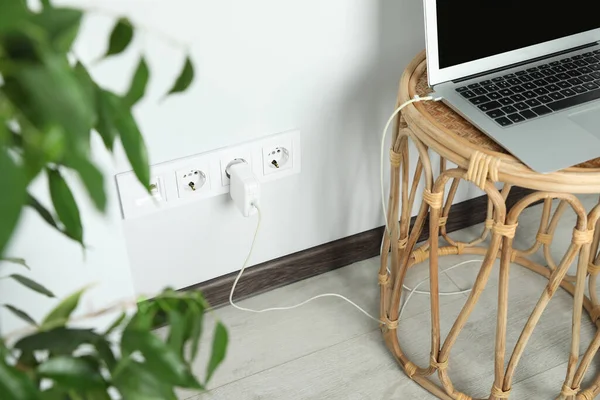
(330,256)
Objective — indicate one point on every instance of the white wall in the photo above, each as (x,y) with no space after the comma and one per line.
(329,68)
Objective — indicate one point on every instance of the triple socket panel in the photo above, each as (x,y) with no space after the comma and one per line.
(194,178)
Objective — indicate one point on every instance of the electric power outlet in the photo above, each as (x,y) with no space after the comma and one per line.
(278,155)
(192,182)
(227,157)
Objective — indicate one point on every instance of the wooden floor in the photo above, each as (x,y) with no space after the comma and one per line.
(329,350)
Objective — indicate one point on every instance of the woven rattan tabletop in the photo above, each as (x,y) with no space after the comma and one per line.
(457,140)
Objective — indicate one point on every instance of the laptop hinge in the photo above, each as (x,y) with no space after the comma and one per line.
(493,71)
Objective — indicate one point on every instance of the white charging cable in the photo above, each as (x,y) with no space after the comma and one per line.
(255,205)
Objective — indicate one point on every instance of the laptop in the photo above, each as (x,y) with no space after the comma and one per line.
(526,73)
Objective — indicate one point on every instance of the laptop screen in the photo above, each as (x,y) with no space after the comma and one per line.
(469,30)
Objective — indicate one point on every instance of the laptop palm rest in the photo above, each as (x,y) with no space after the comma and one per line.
(588,120)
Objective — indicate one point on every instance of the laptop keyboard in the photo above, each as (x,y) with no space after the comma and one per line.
(537,91)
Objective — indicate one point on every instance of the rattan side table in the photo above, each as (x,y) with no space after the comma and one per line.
(434,128)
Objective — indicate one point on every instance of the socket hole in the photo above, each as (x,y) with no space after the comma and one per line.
(278,158)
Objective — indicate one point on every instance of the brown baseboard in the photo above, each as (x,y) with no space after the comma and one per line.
(330,256)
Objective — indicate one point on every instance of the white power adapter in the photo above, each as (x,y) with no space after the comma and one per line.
(244,188)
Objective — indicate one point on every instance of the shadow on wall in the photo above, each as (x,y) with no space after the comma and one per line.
(367,104)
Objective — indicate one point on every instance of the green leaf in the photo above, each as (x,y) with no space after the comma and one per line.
(105,353)
(36,287)
(195,319)
(185,78)
(60,315)
(45,214)
(55,393)
(72,372)
(177,331)
(104,125)
(14,182)
(219,348)
(13,13)
(135,382)
(49,93)
(133,142)
(14,260)
(61,25)
(92,178)
(116,324)
(161,360)
(120,37)
(15,385)
(21,314)
(88,86)
(65,205)
(59,340)
(138,83)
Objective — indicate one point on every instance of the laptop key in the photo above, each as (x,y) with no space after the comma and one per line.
(468,94)
(552,87)
(513,81)
(518,89)
(540,82)
(492,105)
(548,72)
(575,81)
(566,60)
(495,113)
(575,100)
(563,76)
(521,106)
(503,84)
(580,63)
(590,86)
(479,91)
(540,91)
(543,67)
(559,69)
(570,66)
(479,100)
(462,89)
(498,79)
(542,110)
(579,89)
(509,109)
(552,79)
(574,73)
(504,121)
(556,96)
(520,73)
(525,78)
(592,60)
(486,82)
(506,101)
(595,75)
(554,63)
(506,92)
(568,92)
(585,70)
(545,99)
(535,69)
(577,57)
(516,118)
(533,103)
(530,95)
(528,114)
(474,85)
(586,78)
(564,84)
(596,52)
(589,53)
(518,97)
(529,86)
(595,67)
(509,76)
(537,75)
(494,95)
(491,88)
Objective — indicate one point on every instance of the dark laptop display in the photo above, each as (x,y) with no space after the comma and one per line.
(469,30)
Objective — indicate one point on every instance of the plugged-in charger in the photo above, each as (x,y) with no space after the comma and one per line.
(244,188)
